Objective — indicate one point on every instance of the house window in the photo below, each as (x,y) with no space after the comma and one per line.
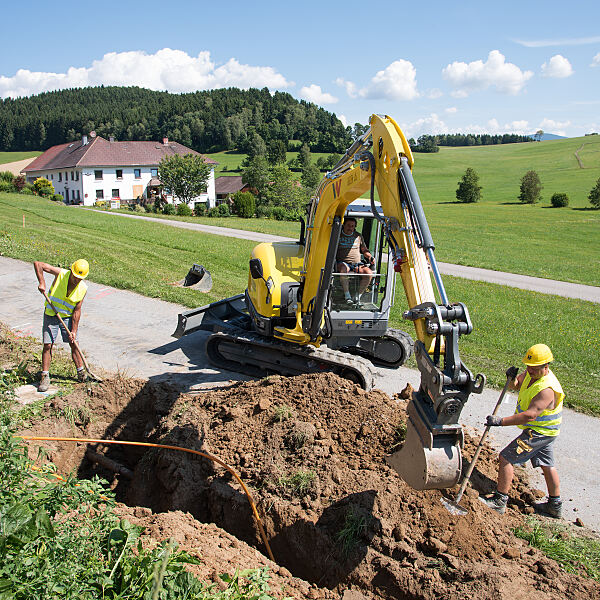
(78,196)
(137,173)
(115,193)
(67,194)
(97,175)
(154,172)
(72,176)
(51,175)
(76,175)
(119,173)
(99,194)
(60,176)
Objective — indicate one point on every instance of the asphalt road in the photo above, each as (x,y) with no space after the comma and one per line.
(126,332)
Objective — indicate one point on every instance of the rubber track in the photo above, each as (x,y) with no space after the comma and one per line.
(335,361)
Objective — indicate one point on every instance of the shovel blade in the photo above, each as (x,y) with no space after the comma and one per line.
(198,278)
(453,507)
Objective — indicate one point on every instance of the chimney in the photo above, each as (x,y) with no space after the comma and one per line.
(84,140)
(111,139)
(165,141)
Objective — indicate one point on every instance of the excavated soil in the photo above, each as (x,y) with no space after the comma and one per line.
(340,523)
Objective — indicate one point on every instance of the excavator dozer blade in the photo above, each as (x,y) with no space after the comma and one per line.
(428,460)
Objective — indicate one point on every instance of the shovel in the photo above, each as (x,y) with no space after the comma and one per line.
(85,363)
(453,506)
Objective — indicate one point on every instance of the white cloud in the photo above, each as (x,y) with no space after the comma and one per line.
(396,82)
(434,93)
(349,86)
(559,42)
(426,125)
(558,66)
(313,93)
(167,69)
(343,119)
(479,75)
(557,127)
(596,61)
(451,110)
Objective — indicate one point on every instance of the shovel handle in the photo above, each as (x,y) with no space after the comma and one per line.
(467,476)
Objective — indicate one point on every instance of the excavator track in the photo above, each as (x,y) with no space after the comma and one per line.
(254,355)
(390,350)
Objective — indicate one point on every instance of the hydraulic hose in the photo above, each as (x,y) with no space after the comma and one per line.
(167,447)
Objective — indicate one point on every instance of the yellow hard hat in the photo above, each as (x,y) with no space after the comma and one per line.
(80,268)
(537,355)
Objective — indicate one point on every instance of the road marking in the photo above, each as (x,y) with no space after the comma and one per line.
(103,292)
(19,326)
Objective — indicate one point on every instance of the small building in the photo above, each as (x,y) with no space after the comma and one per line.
(226,186)
(94,169)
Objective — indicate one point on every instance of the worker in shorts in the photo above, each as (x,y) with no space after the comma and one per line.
(66,294)
(538,414)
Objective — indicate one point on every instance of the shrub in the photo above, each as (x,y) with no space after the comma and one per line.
(137,208)
(28,190)
(244,204)
(279,213)
(43,187)
(183,210)
(264,212)
(150,208)
(200,209)
(559,200)
(19,182)
(168,209)
(469,190)
(214,212)
(224,210)
(531,188)
(6,186)
(594,196)
(159,204)
(6,176)
(56,198)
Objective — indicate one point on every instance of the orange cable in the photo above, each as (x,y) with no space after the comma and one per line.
(203,454)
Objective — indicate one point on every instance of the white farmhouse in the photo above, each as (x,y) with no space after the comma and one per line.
(93,169)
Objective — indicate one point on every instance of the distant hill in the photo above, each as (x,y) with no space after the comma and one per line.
(207,121)
(549,136)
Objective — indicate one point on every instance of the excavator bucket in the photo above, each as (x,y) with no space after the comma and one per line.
(428,459)
(198,278)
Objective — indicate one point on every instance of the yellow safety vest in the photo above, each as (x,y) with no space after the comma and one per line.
(548,421)
(58,295)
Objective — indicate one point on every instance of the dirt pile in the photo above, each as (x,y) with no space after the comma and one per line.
(312,450)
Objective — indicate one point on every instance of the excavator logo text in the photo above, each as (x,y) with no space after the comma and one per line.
(336,188)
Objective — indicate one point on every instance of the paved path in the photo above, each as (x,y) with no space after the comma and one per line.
(130,333)
(524,282)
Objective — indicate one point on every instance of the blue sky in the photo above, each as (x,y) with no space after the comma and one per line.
(436,67)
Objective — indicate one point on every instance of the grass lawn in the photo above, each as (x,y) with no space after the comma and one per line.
(7,157)
(146,257)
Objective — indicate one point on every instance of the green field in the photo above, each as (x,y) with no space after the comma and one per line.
(146,257)
(7,157)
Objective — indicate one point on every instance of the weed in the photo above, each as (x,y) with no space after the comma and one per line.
(75,414)
(281,413)
(297,484)
(355,525)
(398,436)
(295,439)
(579,555)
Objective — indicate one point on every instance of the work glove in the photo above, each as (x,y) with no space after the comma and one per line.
(493,421)
(511,373)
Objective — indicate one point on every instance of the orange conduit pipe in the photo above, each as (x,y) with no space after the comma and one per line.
(180,449)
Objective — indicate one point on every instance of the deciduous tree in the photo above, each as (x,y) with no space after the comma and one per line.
(594,196)
(469,189)
(185,176)
(531,188)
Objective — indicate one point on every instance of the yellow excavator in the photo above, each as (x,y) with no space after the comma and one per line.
(294,317)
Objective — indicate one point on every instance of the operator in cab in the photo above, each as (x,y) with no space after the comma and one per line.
(348,260)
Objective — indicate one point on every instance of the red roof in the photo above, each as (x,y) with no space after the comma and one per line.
(102,153)
(229,184)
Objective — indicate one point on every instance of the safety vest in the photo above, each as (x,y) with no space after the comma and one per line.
(548,421)
(58,295)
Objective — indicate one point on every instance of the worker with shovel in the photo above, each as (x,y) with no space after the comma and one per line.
(66,295)
(538,414)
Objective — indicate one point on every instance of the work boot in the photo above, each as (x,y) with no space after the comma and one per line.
(81,375)
(496,502)
(44,382)
(552,508)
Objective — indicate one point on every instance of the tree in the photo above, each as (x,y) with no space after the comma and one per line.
(285,191)
(304,159)
(256,174)
(244,204)
(531,188)
(537,136)
(469,189)
(276,152)
(311,175)
(185,176)
(559,200)
(594,196)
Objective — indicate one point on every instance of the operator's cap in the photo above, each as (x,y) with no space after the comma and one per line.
(537,355)
(80,268)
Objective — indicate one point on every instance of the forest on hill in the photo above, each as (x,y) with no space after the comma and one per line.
(207,121)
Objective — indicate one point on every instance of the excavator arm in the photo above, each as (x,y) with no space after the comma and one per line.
(382,159)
